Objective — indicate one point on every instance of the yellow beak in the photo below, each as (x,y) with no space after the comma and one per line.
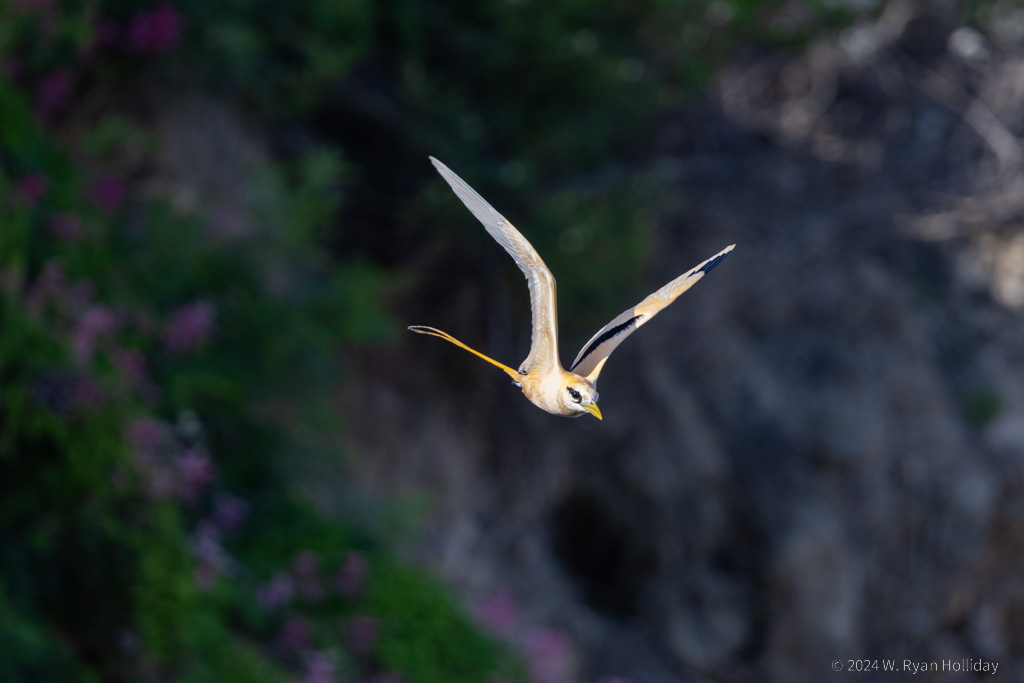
(592,409)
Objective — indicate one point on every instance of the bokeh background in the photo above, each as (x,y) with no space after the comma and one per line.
(222,458)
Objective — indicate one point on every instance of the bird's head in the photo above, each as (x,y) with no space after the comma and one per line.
(579,396)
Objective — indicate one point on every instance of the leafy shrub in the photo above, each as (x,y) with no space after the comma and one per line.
(153,374)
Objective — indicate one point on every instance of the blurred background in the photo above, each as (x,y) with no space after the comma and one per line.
(222,458)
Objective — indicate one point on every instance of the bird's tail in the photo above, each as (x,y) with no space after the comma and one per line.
(422,329)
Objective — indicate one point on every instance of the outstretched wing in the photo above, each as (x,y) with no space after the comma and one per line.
(544,347)
(595,352)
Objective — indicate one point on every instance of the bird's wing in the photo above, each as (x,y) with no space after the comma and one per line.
(544,348)
(595,352)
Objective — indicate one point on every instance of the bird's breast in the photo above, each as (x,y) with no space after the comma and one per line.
(543,392)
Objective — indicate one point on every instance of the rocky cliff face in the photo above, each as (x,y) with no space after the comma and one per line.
(817,454)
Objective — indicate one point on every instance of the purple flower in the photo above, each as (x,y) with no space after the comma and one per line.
(30,189)
(108,193)
(158,481)
(351,576)
(276,592)
(195,471)
(97,321)
(294,635)
(319,668)
(229,512)
(189,327)
(548,654)
(53,92)
(361,633)
(145,433)
(155,31)
(208,549)
(498,612)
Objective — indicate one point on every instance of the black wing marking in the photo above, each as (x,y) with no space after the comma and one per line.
(605,336)
(595,352)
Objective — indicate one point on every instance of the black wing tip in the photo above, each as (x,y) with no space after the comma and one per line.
(706,268)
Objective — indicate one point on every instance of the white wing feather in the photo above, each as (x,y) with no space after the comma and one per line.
(595,352)
(544,347)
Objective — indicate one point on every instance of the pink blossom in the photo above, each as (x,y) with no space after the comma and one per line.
(498,612)
(361,633)
(351,576)
(108,193)
(319,668)
(30,189)
(189,327)
(548,654)
(158,478)
(194,472)
(53,92)
(276,592)
(155,31)
(145,433)
(208,549)
(97,322)
(66,227)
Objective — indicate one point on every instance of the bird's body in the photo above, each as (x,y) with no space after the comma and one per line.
(541,376)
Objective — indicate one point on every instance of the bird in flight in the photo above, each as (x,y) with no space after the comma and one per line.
(541,377)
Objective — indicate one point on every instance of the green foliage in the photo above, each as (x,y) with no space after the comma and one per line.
(981,407)
(282,56)
(425,635)
(154,366)
(31,653)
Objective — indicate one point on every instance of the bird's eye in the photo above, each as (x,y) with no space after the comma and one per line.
(575,394)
